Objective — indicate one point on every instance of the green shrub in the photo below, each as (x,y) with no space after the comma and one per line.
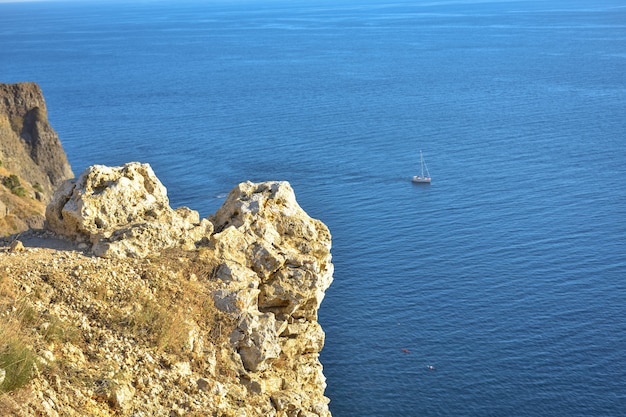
(38,187)
(11,182)
(18,362)
(19,191)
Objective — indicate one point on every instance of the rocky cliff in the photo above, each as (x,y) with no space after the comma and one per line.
(129,307)
(32,161)
(29,145)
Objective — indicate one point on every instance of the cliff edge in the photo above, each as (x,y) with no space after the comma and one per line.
(128,307)
(32,161)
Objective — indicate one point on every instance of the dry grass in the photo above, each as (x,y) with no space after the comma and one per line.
(159,325)
(172,299)
(57,330)
(8,292)
(188,295)
(17,358)
(12,403)
(11,224)
(185,297)
(163,305)
(20,207)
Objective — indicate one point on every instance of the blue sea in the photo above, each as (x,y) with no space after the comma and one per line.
(497,290)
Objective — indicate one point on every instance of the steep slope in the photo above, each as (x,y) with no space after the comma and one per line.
(32,161)
(175,316)
(29,146)
(19,207)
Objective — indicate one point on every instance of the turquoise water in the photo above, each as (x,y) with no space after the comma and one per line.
(506,274)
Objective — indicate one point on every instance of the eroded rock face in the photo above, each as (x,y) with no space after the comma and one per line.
(277,266)
(263,227)
(271,264)
(29,146)
(123,212)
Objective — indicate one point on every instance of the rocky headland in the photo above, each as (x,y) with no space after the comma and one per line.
(124,306)
(32,161)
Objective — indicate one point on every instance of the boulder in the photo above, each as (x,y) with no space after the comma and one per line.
(16,246)
(118,394)
(263,227)
(123,212)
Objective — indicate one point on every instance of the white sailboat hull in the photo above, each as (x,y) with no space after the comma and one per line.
(421,180)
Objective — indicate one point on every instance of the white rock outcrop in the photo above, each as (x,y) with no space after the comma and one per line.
(270,265)
(123,212)
(277,266)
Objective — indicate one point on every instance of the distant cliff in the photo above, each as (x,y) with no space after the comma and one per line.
(32,161)
(29,146)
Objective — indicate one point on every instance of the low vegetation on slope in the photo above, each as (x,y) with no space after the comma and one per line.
(96,337)
(19,207)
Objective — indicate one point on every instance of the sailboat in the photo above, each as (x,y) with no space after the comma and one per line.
(422,178)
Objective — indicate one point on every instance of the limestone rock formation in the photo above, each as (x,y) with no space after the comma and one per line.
(29,147)
(222,322)
(123,212)
(276,267)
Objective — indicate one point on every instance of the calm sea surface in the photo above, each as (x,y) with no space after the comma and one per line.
(507,274)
